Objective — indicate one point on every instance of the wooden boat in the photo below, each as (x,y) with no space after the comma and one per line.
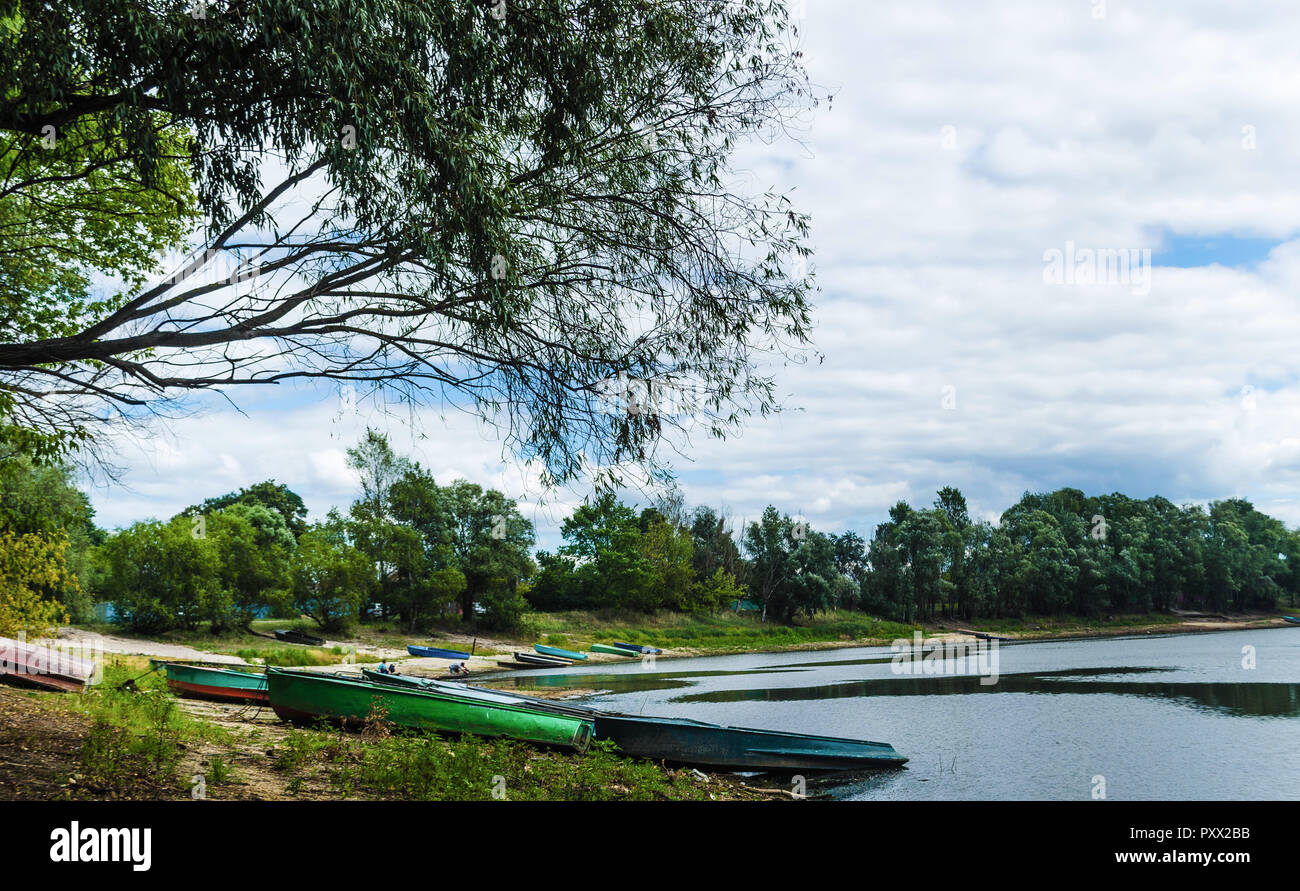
(1292,619)
(46,668)
(684,741)
(612,650)
(542,661)
(982,636)
(223,684)
(300,637)
(512,664)
(637,648)
(308,696)
(556,651)
(435,653)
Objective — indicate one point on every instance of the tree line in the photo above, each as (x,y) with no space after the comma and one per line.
(415,552)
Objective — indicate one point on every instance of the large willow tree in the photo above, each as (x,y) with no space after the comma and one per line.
(500,205)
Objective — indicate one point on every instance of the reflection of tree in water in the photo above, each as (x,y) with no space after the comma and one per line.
(622,682)
(1255,700)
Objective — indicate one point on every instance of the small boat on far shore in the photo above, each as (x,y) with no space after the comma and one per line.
(1292,619)
(541,661)
(613,651)
(300,637)
(556,651)
(638,648)
(435,653)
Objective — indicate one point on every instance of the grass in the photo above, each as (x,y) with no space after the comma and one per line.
(138,737)
(725,633)
(381,763)
(1047,625)
(137,734)
(294,655)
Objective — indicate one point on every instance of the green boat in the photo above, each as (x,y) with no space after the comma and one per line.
(222,684)
(556,651)
(308,695)
(614,651)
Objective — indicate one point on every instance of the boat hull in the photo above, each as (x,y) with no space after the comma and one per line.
(44,668)
(556,651)
(299,637)
(613,650)
(1292,619)
(435,653)
(541,661)
(639,649)
(308,696)
(220,684)
(740,748)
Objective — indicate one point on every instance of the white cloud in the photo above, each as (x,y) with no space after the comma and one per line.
(1109,133)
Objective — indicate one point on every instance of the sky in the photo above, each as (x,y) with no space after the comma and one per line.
(1058,244)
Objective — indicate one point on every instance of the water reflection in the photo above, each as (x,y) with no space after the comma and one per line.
(1256,700)
(621,682)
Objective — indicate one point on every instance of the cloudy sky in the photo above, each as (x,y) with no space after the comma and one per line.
(977,160)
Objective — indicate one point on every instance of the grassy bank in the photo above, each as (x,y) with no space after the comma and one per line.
(136,740)
(687,634)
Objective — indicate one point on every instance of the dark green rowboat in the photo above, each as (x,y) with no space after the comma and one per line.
(308,695)
(740,748)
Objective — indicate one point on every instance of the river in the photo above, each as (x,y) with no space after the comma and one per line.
(1208,716)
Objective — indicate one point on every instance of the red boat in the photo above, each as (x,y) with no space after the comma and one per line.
(43,667)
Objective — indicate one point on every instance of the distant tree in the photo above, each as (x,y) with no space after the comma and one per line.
(329,577)
(254,546)
(161,576)
(269,494)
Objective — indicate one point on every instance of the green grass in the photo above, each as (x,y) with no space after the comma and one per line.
(1047,625)
(137,733)
(428,767)
(721,633)
(293,655)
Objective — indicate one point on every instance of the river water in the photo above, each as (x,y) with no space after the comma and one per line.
(1156,717)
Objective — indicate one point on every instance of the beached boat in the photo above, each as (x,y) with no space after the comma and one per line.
(308,696)
(683,741)
(1292,619)
(612,650)
(48,668)
(300,637)
(556,651)
(469,691)
(535,660)
(435,653)
(208,682)
(638,648)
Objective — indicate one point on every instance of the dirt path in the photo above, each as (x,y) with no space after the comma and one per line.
(138,647)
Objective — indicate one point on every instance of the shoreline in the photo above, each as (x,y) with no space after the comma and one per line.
(367,652)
